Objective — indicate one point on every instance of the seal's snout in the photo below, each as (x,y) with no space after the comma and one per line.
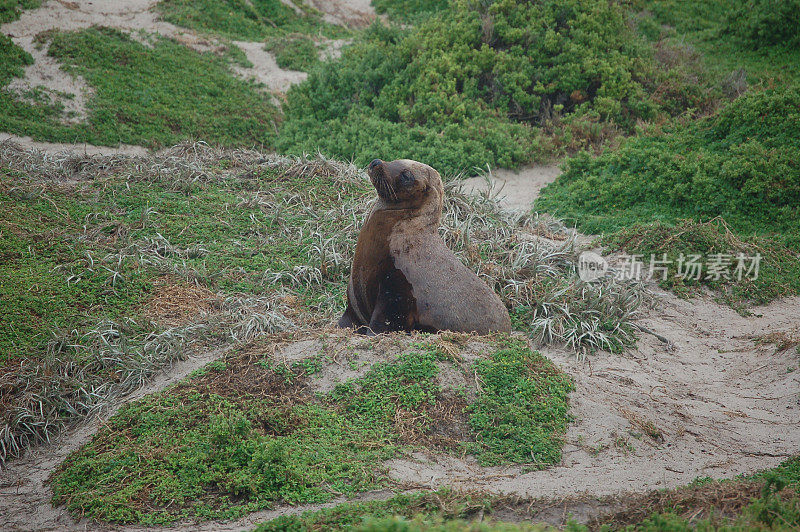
(374,164)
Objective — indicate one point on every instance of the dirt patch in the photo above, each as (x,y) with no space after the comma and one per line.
(515,190)
(350,13)
(83,149)
(265,69)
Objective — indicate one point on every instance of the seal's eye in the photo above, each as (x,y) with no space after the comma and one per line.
(406,178)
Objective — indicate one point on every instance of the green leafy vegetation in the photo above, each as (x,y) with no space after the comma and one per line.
(519,418)
(14,59)
(759,23)
(724,32)
(739,164)
(777,269)
(294,53)
(440,510)
(10,10)
(466,87)
(249,432)
(247,20)
(152,96)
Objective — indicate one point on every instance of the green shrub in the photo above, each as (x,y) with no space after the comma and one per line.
(760,23)
(521,416)
(741,164)
(467,86)
(293,53)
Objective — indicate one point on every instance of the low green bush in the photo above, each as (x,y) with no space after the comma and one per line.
(408,9)
(758,23)
(741,164)
(467,86)
(10,10)
(293,53)
(12,60)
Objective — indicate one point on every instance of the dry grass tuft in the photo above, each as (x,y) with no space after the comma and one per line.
(177,303)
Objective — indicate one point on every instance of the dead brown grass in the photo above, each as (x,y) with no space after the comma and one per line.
(177,303)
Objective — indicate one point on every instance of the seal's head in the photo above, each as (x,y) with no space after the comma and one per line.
(406,184)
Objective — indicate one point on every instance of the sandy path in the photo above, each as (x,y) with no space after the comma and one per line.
(515,189)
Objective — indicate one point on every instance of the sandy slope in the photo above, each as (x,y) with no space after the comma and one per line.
(515,189)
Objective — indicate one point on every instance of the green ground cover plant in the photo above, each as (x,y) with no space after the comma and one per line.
(293,53)
(760,23)
(246,433)
(152,96)
(778,273)
(739,164)
(738,167)
(754,37)
(248,20)
(10,10)
(469,86)
(14,60)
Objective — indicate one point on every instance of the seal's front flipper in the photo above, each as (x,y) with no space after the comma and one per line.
(349,320)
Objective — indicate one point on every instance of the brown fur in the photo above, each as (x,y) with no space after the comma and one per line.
(404,277)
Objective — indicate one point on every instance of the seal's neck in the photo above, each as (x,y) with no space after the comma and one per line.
(425,217)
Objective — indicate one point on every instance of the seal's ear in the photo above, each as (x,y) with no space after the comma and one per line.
(406,178)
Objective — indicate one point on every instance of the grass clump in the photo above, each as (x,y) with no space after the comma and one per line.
(467,86)
(521,414)
(778,269)
(245,20)
(739,164)
(11,10)
(293,53)
(152,96)
(250,433)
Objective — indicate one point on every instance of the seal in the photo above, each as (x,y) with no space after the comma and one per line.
(404,277)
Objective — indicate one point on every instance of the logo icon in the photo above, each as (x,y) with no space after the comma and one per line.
(591,266)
